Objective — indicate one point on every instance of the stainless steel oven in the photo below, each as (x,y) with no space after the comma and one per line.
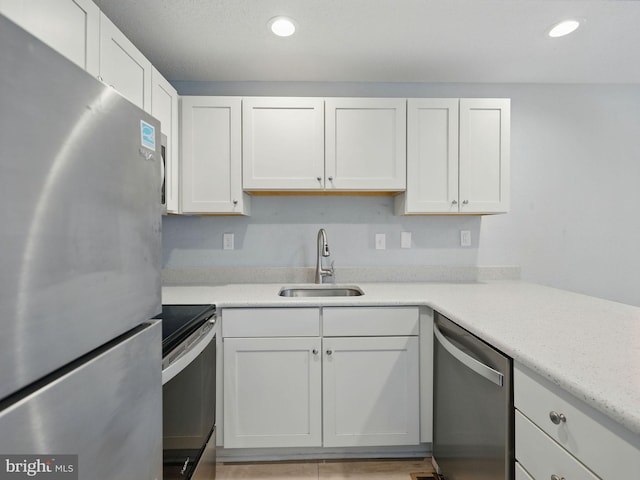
(189,392)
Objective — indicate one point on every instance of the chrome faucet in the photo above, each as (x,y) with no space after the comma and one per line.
(323,251)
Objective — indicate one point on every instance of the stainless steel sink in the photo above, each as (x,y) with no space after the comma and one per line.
(321,291)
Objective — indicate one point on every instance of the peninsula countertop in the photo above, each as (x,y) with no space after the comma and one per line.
(588,346)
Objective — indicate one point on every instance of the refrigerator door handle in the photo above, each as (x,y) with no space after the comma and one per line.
(189,356)
(468,361)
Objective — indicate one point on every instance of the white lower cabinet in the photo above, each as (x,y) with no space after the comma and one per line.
(557,434)
(542,457)
(286,386)
(370,391)
(272,392)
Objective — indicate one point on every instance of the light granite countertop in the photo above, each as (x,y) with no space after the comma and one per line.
(586,345)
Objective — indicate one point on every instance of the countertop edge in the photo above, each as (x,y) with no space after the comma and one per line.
(457,302)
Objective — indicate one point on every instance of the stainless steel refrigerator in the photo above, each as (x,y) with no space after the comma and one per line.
(80,221)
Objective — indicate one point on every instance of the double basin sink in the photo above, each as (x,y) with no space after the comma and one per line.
(327,290)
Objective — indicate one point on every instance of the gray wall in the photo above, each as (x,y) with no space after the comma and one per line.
(575,183)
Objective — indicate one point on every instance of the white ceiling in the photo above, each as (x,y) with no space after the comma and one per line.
(385,40)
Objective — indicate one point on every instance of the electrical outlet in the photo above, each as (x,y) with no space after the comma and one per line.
(465,238)
(381,241)
(228,241)
(405,239)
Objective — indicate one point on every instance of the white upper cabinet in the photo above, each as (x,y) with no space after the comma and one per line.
(283,143)
(71,27)
(165,107)
(457,156)
(307,144)
(211,176)
(485,133)
(365,144)
(432,155)
(123,66)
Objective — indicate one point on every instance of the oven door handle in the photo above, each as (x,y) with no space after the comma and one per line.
(468,361)
(189,356)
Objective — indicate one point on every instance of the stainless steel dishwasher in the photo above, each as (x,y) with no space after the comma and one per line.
(473,437)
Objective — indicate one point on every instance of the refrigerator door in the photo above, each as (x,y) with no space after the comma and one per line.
(113,421)
(80,195)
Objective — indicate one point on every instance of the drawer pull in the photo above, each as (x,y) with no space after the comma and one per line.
(556,477)
(557,419)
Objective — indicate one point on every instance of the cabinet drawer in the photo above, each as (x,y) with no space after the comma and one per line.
(609,449)
(270,322)
(542,457)
(369,321)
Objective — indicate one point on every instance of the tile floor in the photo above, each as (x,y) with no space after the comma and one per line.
(324,470)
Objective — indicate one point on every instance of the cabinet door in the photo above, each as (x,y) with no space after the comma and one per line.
(123,66)
(484,155)
(71,27)
(164,106)
(370,391)
(272,392)
(283,143)
(365,144)
(211,163)
(432,156)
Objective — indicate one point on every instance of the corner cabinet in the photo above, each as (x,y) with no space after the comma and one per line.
(211,175)
(365,144)
(71,27)
(458,157)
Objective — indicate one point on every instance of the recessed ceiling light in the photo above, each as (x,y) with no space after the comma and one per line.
(282,26)
(564,28)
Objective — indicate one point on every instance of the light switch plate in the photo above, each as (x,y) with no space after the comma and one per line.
(381,241)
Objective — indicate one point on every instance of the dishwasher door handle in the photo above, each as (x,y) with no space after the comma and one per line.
(468,361)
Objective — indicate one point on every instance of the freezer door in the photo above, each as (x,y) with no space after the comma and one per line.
(80,193)
(106,408)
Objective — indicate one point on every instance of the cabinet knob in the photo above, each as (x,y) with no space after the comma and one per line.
(465,202)
(455,202)
(556,477)
(319,179)
(557,418)
(235,202)
(329,352)
(331,179)
(314,351)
